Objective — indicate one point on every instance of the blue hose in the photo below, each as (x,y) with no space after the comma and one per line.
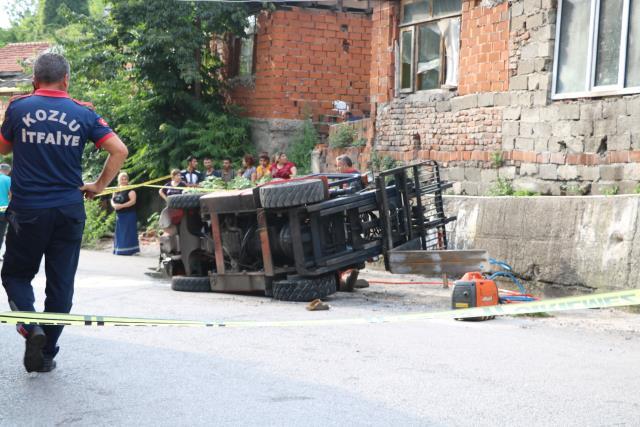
(502,264)
(514,298)
(510,275)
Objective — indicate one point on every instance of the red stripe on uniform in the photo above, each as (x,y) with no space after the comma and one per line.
(104,138)
(51,93)
(5,140)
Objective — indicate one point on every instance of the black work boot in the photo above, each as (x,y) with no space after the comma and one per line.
(33,358)
(48,364)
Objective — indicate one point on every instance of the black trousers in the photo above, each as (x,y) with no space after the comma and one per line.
(3,228)
(56,234)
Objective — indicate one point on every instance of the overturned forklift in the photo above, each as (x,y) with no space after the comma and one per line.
(292,239)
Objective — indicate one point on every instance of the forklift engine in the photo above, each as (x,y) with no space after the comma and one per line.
(291,239)
(474,290)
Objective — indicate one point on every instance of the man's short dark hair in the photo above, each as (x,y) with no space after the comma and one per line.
(191,158)
(206,158)
(346,160)
(227,158)
(50,68)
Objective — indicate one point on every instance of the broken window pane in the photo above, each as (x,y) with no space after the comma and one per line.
(428,68)
(633,51)
(573,46)
(406,54)
(609,29)
(416,10)
(446,7)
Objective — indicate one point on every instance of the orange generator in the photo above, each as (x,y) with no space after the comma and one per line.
(474,290)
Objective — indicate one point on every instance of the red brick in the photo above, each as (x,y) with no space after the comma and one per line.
(618,156)
(529,156)
(634,156)
(543,157)
(576,159)
(557,158)
(591,159)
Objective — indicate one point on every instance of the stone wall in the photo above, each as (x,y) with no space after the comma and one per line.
(582,146)
(560,244)
(273,135)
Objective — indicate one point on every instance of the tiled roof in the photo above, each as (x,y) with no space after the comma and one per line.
(14,53)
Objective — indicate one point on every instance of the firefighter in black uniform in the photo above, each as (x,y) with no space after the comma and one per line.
(47,132)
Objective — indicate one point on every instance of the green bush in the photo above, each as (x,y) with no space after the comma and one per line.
(502,187)
(152,222)
(343,137)
(360,142)
(611,191)
(302,145)
(525,193)
(382,163)
(99,223)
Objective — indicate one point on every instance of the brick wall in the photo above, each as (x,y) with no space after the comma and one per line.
(384,30)
(306,59)
(484,48)
(450,129)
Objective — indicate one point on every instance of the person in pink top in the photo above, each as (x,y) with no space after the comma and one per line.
(283,168)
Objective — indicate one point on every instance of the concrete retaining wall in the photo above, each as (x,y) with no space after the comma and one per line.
(560,244)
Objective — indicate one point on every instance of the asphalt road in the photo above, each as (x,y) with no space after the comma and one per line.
(571,369)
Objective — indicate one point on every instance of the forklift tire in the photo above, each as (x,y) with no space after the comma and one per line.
(190,284)
(293,193)
(184,201)
(304,289)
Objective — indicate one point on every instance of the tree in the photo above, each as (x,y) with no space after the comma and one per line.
(50,11)
(149,69)
(25,24)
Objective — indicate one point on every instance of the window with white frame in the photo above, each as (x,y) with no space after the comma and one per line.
(429,44)
(597,48)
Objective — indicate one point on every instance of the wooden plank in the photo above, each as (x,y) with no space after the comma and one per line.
(437,263)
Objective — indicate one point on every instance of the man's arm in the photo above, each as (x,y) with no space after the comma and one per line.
(117,155)
(5,146)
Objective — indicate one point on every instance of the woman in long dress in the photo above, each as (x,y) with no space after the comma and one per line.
(125,241)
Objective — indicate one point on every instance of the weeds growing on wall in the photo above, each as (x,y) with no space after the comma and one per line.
(496,159)
(502,187)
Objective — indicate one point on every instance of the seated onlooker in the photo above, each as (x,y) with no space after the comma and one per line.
(191,176)
(209,171)
(227,173)
(175,186)
(283,168)
(264,168)
(345,165)
(249,169)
